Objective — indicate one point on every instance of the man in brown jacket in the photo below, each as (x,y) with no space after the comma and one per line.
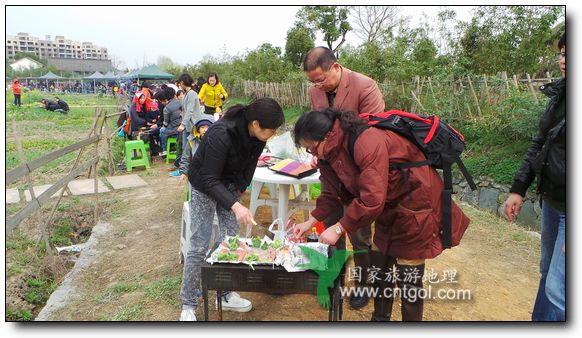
(338,87)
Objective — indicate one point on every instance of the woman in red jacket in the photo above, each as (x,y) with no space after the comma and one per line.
(16,90)
(405,203)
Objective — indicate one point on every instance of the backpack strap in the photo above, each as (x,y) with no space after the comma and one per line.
(446,207)
(353,137)
(465,173)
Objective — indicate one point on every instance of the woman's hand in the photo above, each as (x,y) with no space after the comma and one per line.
(180,128)
(314,162)
(243,215)
(301,228)
(330,235)
(221,96)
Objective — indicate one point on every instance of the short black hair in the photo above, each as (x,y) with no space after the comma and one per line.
(319,57)
(562,42)
(186,79)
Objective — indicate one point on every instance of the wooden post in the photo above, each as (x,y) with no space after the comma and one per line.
(549,76)
(417,100)
(474,95)
(44,233)
(531,88)
(97,178)
(486,89)
(72,169)
(504,77)
(515,83)
(465,97)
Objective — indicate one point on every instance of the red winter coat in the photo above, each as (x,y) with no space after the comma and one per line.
(16,88)
(405,203)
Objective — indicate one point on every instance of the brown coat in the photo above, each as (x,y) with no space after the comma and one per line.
(355,92)
(405,203)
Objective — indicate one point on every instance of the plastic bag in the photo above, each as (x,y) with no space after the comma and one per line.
(283,147)
(121,131)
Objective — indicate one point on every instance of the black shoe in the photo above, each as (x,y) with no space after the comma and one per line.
(358,302)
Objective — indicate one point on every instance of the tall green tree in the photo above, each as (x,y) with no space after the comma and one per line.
(518,39)
(264,64)
(300,40)
(331,21)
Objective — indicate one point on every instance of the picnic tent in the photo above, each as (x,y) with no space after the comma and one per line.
(51,76)
(152,72)
(95,76)
(110,76)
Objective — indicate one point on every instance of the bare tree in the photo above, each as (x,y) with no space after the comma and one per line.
(374,21)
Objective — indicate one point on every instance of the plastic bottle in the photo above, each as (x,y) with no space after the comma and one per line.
(313,237)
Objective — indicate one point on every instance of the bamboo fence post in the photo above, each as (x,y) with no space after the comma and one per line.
(96,187)
(417,100)
(474,95)
(465,97)
(487,90)
(44,234)
(430,87)
(504,77)
(531,88)
(72,169)
(549,76)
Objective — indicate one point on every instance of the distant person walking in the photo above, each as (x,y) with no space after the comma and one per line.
(17,91)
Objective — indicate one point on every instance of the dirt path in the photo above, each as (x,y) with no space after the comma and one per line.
(136,274)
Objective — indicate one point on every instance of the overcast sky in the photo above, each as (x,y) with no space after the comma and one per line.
(138,35)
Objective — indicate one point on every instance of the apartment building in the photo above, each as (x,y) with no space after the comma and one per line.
(59,47)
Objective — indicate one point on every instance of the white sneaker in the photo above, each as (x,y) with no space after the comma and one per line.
(188,315)
(235,303)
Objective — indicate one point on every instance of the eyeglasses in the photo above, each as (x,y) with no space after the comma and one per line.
(561,55)
(322,81)
(313,151)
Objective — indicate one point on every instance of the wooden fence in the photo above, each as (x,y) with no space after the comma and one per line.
(469,96)
(25,169)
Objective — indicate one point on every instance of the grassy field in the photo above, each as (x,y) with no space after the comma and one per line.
(42,131)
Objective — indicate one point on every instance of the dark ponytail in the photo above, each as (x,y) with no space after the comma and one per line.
(314,125)
(266,111)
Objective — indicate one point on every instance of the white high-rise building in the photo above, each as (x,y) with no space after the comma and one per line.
(57,48)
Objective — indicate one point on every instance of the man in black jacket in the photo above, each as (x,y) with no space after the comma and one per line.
(546,159)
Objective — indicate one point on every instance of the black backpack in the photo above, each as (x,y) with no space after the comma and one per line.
(441,144)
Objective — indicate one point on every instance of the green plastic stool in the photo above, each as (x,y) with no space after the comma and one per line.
(130,161)
(171,155)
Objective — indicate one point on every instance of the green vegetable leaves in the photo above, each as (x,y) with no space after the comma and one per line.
(226,257)
(233,243)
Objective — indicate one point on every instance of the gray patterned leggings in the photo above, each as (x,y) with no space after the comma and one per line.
(202,208)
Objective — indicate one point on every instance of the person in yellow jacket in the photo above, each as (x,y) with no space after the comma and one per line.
(212,94)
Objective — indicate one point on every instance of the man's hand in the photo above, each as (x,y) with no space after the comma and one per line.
(513,206)
(180,128)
